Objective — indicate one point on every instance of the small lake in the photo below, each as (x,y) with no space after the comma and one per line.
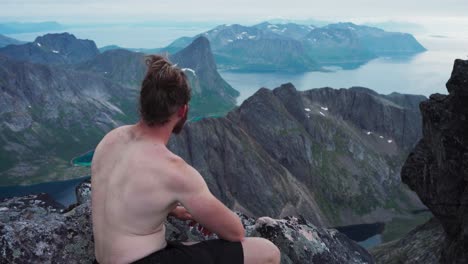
(83,160)
(366,235)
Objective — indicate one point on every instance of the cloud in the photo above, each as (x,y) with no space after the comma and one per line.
(115,10)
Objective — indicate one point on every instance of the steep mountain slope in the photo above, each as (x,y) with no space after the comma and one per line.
(5,41)
(211,94)
(48,115)
(53,49)
(333,156)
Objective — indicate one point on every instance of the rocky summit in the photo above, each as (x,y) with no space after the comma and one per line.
(437,168)
(34,229)
(331,155)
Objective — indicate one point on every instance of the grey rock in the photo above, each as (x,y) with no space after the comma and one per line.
(423,245)
(32,229)
(83,192)
(437,168)
(459,79)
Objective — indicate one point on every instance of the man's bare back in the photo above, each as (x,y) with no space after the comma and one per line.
(130,202)
(136,183)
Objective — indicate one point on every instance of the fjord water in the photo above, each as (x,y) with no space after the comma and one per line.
(424,73)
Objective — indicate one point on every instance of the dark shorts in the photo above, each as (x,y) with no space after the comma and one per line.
(215,251)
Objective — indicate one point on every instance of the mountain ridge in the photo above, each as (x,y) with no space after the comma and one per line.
(53,49)
(284,141)
(103,91)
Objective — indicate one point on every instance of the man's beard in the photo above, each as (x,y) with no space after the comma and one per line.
(178,127)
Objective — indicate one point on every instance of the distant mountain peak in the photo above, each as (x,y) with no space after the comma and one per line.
(56,48)
(197,55)
(52,36)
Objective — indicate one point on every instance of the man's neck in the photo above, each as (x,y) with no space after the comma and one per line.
(157,133)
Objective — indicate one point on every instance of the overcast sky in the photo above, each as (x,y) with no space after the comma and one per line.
(235,10)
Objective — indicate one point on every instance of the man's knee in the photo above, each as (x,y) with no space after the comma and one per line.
(260,250)
(275,254)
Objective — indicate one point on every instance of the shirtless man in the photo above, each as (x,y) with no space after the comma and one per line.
(137,182)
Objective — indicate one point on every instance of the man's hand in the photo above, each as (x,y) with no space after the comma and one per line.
(181,213)
(200,228)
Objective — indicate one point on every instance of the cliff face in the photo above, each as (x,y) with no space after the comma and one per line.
(34,229)
(437,169)
(49,114)
(311,153)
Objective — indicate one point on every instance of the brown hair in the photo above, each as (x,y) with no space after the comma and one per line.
(164,89)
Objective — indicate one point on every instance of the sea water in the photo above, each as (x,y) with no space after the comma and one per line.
(424,73)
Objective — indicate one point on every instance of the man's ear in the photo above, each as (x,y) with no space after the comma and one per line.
(182,110)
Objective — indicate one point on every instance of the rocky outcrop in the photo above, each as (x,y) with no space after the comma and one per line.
(437,169)
(53,49)
(34,229)
(314,153)
(423,245)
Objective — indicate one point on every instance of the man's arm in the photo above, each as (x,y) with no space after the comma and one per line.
(194,195)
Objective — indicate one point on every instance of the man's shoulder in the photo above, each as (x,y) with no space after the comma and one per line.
(182,173)
(114,135)
(110,139)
